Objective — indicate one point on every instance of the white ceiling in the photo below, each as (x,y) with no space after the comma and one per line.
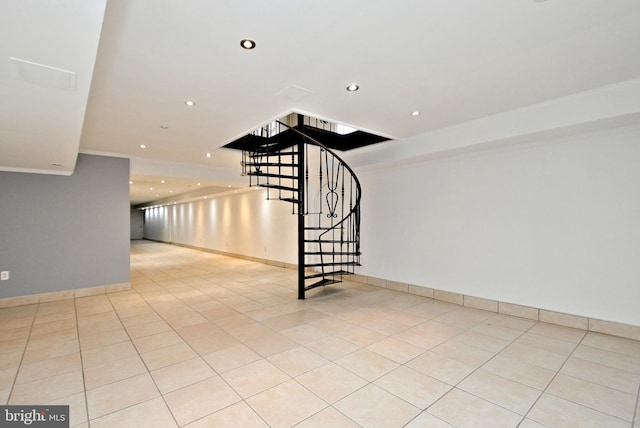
(47,56)
(452,61)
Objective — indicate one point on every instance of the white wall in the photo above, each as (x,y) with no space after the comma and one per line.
(243,223)
(552,224)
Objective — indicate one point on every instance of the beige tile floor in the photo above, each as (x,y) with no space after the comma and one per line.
(204,340)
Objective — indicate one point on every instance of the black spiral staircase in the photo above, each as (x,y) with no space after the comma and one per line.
(290,162)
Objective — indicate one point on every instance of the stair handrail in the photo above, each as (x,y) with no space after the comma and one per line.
(355,210)
(347,167)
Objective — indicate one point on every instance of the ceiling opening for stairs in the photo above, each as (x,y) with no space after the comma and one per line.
(333,135)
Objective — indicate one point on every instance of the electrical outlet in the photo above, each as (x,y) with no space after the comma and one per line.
(4,276)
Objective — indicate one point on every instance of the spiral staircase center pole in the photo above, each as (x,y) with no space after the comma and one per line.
(301,219)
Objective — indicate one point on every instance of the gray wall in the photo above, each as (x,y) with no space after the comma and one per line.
(61,233)
(137,224)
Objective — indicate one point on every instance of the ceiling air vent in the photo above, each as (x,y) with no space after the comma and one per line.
(43,75)
(294,93)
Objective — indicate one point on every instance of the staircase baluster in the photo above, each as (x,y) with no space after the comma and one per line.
(342,209)
(306,177)
(320,204)
(279,176)
(329,247)
(293,163)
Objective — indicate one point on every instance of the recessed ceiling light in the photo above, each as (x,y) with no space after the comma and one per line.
(170,191)
(130,182)
(162,181)
(247,44)
(190,103)
(208,155)
(353,87)
(150,188)
(415,113)
(142,146)
(198,184)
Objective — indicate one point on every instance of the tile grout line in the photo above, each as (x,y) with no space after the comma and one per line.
(372,382)
(123,306)
(291,378)
(524,417)
(24,351)
(84,383)
(588,381)
(141,359)
(635,419)
(558,370)
(110,383)
(553,378)
(430,350)
(473,371)
(369,383)
(479,367)
(242,399)
(89,421)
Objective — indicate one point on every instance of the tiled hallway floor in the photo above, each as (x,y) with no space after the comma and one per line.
(204,340)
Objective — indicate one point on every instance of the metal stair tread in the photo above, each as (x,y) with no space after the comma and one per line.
(271,175)
(292,200)
(321,283)
(277,187)
(268,152)
(348,263)
(331,241)
(274,164)
(333,253)
(268,159)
